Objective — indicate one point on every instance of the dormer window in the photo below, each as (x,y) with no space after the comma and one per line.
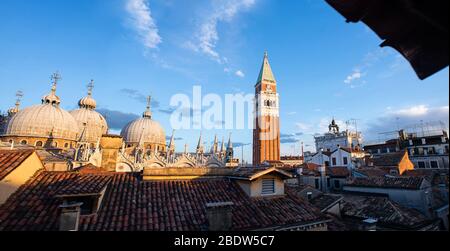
(268,187)
(89,204)
(424,141)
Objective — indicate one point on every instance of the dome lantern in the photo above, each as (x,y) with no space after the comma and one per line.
(51,98)
(88,102)
(148,112)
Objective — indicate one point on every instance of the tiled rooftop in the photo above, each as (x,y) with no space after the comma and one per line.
(338,171)
(324,201)
(131,204)
(381,208)
(11,159)
(389,159)
(387,182)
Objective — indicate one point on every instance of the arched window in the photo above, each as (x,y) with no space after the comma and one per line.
(39,143)
(66,145)
(11,141)
(23,142)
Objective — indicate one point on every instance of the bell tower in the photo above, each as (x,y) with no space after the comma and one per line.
(266,132)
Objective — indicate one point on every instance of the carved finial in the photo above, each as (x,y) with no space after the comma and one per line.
(148,112)
(90,87)
(55,77)
(19,95)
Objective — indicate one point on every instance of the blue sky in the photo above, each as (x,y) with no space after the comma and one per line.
(131,48)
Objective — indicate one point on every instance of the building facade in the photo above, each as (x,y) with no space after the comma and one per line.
(335,138)
(427,151)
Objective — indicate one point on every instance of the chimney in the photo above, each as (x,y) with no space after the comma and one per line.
(111,144)
(323,177)
(300,174)
(69,216)
(220,216)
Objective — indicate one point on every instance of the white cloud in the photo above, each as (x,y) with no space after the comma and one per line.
(227,70)
(208,36)
(397,118)
(239,73)
(414,111)
(292,113)
(303,126)
(143,23)
(352,77)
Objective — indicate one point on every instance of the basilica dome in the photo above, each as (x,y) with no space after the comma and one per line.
(91,124)
(146,131)
(47,120)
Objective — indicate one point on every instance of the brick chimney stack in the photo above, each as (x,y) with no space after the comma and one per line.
(69,216)
(220,216)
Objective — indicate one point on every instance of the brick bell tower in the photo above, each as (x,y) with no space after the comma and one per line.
(266,132)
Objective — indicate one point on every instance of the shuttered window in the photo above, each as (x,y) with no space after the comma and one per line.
(268,186)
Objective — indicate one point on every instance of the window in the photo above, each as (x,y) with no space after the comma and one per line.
(345,160)
(309,194)
(334,161)
(424,141)
(268,186)
(55,144)
(66,145)
(410,142)
(39,143)
(328,182)
(327,163)
(421,164)
(434,164)
(23,142)
(89,206)
(317,183)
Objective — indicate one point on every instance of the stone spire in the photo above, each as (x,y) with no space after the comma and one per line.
(265,73)
(229,154)
(148,112)
(230,144)
(215,146)
(222,147)
(200,148)
(172,143)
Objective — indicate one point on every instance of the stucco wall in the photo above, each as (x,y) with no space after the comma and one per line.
(19,176)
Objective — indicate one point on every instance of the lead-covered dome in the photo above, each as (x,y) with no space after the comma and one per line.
(91,124)
(144,130)
(47,120)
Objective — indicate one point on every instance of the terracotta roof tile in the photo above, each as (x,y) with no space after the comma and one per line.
(11,159)
(387,182)
(384,210)
(131,204)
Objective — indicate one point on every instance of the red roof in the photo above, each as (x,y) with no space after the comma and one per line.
(413,183)
(11,159)
(133,205)
(338,171)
